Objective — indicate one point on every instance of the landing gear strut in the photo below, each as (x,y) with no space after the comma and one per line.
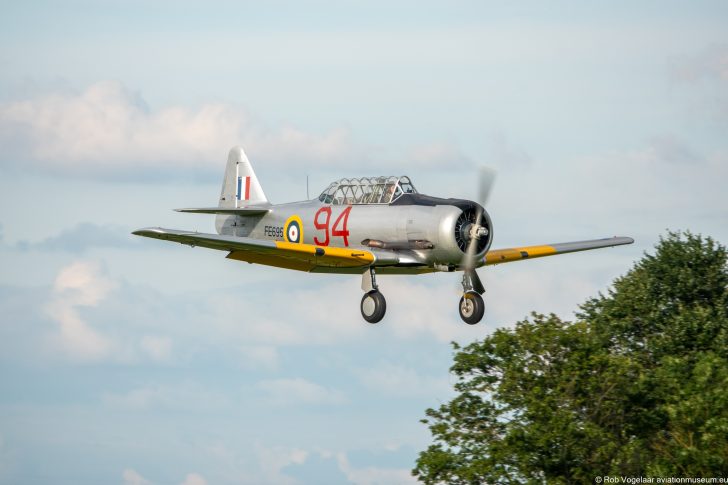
(373,304)
(471,305)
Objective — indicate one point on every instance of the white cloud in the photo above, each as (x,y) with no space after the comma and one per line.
(80,238)
(108,129)
(272,460)
(418,307)
(298,391)
(327,312)
(662,182)
(185,396)
(374,475)
(132,477)
(303,320)
(194,479)
(397,380)
(77,285)
(653,174)
(426,308)
(157,348)
(710,63)
(259,357)
(84,339)
(379,476)
(84,280)
(544,286)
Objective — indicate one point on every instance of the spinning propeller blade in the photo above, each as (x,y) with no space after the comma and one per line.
(486,179)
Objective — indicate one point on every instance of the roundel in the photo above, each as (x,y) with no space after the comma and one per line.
(293,230)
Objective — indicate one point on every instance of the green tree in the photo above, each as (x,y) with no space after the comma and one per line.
(637,385)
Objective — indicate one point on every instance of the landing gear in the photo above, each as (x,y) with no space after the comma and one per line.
(373,304)
(471,305)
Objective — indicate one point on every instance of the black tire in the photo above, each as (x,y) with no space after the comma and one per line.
(471,308)
(373,306)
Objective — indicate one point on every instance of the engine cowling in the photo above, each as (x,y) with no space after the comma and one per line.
(456,229)
(445,225)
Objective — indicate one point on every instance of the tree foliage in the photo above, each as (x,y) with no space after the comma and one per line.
(636,386)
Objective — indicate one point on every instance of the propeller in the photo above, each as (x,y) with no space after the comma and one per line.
(486,179)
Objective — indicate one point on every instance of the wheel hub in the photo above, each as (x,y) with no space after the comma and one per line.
(467,307)
(368,306)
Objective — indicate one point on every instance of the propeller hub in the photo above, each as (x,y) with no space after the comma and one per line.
(476,231)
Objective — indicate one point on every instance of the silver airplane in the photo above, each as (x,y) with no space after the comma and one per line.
(365,226)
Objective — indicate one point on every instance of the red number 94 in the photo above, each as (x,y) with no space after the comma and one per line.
(343,220)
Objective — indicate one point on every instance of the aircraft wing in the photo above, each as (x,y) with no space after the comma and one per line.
(507,255)
(303,257)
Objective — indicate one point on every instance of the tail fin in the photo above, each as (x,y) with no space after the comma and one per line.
(240,186)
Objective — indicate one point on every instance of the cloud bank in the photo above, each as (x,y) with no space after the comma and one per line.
(109,130)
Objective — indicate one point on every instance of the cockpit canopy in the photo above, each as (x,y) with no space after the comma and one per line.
(367,190)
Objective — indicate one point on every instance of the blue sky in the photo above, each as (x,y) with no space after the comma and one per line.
(139,362)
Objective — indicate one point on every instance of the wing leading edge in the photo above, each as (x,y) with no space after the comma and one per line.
(302,257)
(508,255)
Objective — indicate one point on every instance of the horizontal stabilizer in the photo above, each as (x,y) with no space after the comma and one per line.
(231,211)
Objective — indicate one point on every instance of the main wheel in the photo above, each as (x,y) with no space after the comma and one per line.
(373,306)
(471,308)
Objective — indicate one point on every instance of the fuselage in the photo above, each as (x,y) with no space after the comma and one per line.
(428,233)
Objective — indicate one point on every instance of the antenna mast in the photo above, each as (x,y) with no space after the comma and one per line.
(237,183)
